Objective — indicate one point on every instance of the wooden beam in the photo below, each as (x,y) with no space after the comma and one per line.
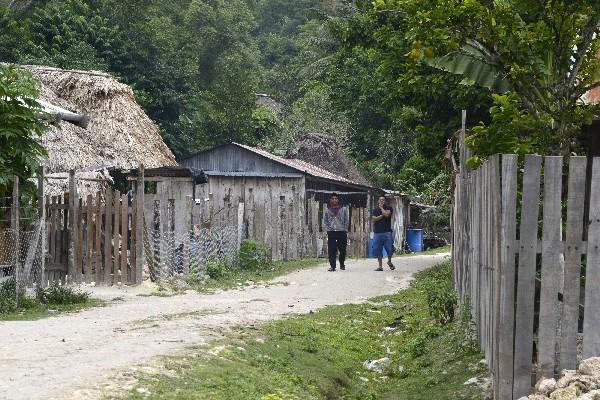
(42,216)
(14,210)
(139,226)
(72,240)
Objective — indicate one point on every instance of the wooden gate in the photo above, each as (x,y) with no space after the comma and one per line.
(93,239)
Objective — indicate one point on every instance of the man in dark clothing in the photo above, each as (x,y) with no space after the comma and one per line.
(336,221)
(382,229)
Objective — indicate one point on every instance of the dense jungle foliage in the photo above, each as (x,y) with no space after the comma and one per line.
(387,78)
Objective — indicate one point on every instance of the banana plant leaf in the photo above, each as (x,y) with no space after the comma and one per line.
(469,63)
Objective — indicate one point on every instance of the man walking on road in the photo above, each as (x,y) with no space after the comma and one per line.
(336,220)
(382,228)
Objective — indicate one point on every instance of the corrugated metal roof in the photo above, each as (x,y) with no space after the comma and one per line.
(302,166)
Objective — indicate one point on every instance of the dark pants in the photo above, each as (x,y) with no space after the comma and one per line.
(336,241)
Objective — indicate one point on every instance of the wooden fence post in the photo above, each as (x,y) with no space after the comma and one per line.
(14,210)
(139,226)
(506,318)
(211,209)
(108,227)
(591,322)
(89,238)
(250,213)
(572,269)
(240,221)
(98,232)
(125,275)
(189,206)
(15,225)
(42,217)
(73,226)
(551,268)
(526,276)
(116,236)
(324,229)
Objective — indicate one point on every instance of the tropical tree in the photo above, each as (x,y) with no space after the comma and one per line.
(539,56)
(20,126)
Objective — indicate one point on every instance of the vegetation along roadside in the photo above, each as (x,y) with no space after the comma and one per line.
(47,302)
(404,346)
(251,266)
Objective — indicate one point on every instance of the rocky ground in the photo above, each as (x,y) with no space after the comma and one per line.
(580,384)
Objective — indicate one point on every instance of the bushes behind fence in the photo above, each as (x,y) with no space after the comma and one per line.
(253,256)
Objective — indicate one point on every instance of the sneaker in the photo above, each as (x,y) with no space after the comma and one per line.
(379,269)
(343,267)
(331,269)
(391,265)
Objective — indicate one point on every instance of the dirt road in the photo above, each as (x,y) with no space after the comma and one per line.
(66,356)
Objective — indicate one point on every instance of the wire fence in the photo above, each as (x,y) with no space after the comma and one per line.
(21,258)
(169,254)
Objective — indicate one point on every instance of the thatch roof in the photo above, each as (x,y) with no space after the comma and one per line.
(326,153)
(119,133)
(88,182)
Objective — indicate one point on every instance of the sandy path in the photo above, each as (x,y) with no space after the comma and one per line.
(59,358)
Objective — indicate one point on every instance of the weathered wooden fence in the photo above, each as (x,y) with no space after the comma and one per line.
(92,240)
(280,217)
(528,264)
(96,238)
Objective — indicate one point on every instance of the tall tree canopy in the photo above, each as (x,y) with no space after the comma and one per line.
(387,78)
(538,57)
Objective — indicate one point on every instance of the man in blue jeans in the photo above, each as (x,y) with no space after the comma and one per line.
(382,228)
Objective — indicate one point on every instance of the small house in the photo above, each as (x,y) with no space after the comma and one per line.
(280,200)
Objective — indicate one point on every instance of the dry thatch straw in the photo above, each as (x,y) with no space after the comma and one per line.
(88,182)
(119,133)
(325,152)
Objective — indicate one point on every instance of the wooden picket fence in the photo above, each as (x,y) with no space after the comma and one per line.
(525,292)
(101,239)
(97,238)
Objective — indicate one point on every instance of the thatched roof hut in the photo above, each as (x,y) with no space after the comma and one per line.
(326,153)
(116,133)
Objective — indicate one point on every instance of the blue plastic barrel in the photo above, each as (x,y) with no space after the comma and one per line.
(414,238)
(372,249)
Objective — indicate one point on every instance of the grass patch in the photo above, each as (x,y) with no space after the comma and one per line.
(233,278)
(37,311)
(171,317)
(238,277)
(443,249)
(321,355)
(50,301)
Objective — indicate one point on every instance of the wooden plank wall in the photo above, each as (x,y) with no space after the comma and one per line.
(513,255)
(106,235)
(277,213)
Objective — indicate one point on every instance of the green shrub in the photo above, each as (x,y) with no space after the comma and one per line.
(61,295)
(417,346)
(8,296)
(216,268)
(436,284)
(253,256)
